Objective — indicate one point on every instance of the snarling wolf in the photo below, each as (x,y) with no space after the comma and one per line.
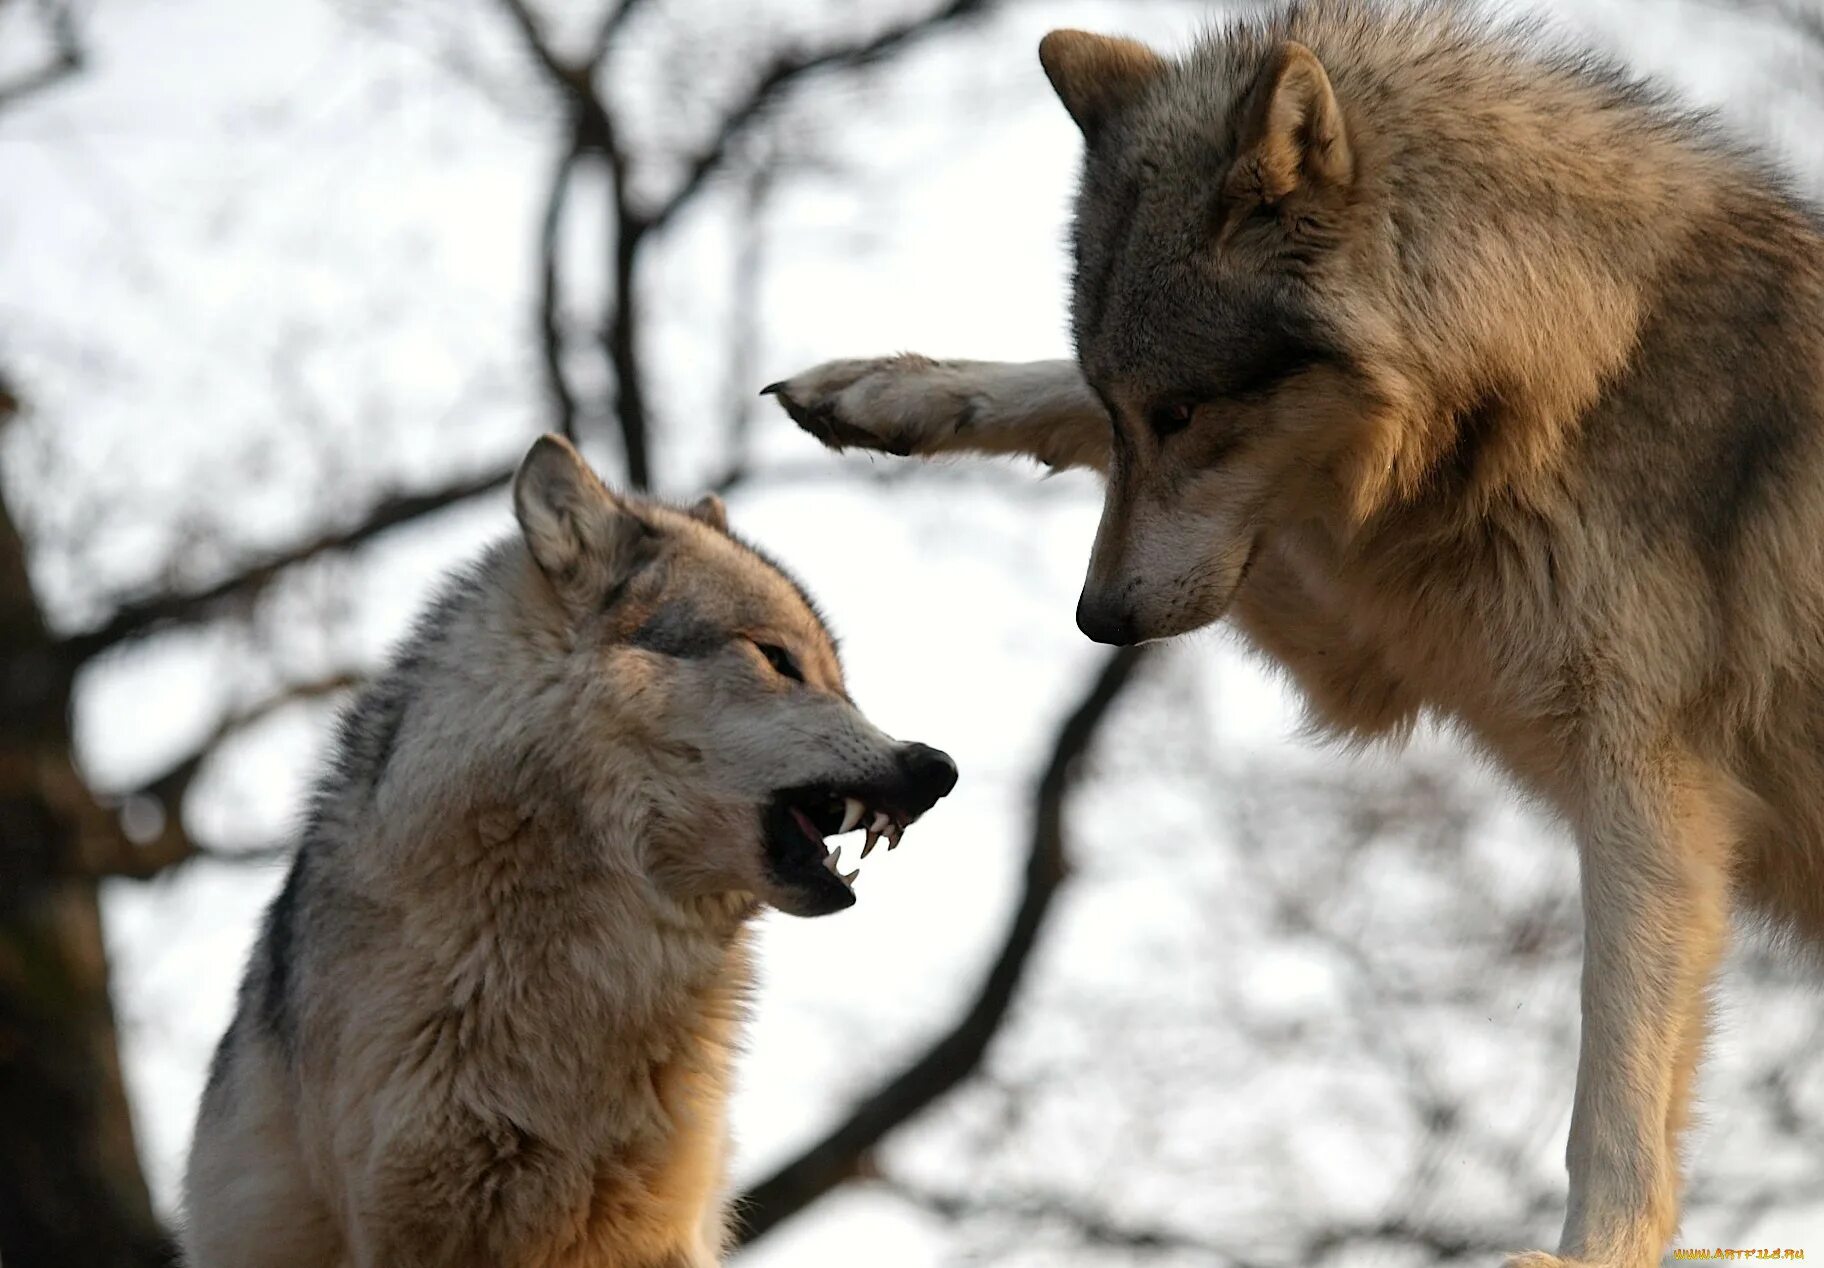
(490,1017)
(1474,380)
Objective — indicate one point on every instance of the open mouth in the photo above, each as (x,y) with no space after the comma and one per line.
(799,822)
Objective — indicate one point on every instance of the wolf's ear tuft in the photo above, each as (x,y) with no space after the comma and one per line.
(1292,134)
(580,536)
(1095,76)
(711,511)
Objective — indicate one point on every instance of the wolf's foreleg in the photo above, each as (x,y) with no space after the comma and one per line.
(1655,852)
(910,404)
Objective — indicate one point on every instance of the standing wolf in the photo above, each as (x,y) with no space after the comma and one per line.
(489,1021)
(1476,381)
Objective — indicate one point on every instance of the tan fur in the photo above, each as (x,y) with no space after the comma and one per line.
(1558,479)
(491,1019)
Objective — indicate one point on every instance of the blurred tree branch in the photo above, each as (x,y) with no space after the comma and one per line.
(550,319)
(1066,1213)
(954,1055)
(111,850)
(64,59)
(784,73)
(156,609)
(1805,18)
(595,131)
(1087,1226)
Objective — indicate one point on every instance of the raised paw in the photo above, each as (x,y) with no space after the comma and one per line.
(898,405)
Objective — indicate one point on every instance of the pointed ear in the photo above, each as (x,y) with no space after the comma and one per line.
(1097,75)
(711,511)
(581,537)
(1292,134)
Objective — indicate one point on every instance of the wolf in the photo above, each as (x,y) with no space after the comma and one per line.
(1474,380)
(490,1018)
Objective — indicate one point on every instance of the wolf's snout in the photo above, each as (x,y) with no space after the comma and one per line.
(930,774)
(1106,621)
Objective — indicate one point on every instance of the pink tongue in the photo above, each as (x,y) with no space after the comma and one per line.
(810,829)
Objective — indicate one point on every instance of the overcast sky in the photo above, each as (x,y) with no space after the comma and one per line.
(260,262)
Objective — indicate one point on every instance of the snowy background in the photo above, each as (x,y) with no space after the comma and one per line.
(264,266)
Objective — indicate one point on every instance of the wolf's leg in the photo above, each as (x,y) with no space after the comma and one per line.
(913,405)
(1655,879)
(1684,1079)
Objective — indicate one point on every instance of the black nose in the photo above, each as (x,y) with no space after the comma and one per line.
(1105,622)
(929,772)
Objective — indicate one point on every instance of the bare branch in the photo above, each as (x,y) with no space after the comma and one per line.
(1805,18)
(1088,1226)
(787,72)
(594,126)
(842,1153)
(595,131)
(174,781)
(59,68)
(567,75)
(572,76)
(550,322)
(1440,1243)
(108,849)
(620,341)
(174,847)
(157,609)
(612,22)
(66,58)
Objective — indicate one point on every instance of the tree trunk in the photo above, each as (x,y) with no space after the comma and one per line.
(71,1189)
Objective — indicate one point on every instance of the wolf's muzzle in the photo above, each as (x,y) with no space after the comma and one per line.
(1106,621)
(798,820)
(930,774)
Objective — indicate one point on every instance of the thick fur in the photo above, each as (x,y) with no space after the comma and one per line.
(491,1015)
(1477,381)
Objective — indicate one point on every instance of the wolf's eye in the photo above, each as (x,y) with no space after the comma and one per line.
(781,661)
(1167,419)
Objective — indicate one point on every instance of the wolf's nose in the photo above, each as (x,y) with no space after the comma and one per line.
(929,771)
(1105,622)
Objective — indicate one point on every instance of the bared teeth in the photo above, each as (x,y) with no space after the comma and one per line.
(880,827)
(852,810)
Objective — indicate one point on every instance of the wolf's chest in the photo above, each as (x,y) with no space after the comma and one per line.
(1450,635)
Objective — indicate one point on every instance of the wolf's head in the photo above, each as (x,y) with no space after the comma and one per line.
(1283,307)
(1205,201)
(707,692)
